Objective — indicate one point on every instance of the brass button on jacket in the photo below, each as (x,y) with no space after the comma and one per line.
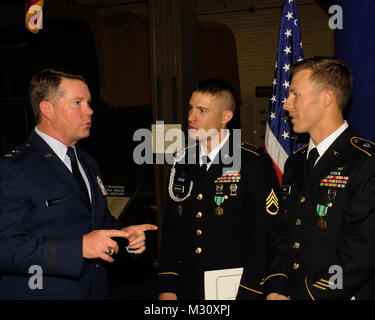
(296,245)
(295,266)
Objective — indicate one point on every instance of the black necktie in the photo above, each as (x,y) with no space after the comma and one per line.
(205,160)
(313,155)
(77,175)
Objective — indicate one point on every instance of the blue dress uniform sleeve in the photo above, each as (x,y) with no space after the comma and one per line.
(265,224)
(18,248)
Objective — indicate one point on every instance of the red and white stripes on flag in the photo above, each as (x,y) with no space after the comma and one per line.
(280,140)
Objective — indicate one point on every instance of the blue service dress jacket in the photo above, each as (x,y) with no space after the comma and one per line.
(42,220)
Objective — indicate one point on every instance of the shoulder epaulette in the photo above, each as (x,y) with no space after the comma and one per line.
(249,147)
(16,151)
(366,146)
(191,146)
(302,148)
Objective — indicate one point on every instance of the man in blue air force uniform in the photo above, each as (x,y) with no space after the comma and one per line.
(53,210)
(222,209)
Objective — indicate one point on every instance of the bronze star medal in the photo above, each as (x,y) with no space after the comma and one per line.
(219,210)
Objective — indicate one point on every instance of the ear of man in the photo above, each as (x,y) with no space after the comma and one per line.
(329,97)
(46,109)
(225,102)
(227,116)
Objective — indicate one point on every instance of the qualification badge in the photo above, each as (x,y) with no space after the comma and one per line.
(233,190)
(219,189)
(179,210)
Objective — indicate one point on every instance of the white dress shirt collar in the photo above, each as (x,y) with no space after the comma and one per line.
(58,147)
(212,155)
(323,146)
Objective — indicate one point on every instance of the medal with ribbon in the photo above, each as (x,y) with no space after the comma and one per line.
(219,210)
(322,211)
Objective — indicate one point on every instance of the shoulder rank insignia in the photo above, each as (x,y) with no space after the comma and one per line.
(301,149)
(272,203)
(15,152)
(249,147)
(365,146)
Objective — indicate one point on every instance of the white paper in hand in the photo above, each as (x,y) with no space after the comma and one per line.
(222,284)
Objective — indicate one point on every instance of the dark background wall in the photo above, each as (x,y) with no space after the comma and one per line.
(355,43)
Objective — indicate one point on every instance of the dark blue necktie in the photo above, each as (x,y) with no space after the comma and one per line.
(77,175)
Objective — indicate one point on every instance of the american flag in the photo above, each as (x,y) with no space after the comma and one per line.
(279,139)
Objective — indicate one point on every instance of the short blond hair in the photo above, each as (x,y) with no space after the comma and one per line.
(329,73)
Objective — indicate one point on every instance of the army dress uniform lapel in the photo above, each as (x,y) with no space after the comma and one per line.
(218,164)
(331,158)
(193,168)
(297,163)
(213,172)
